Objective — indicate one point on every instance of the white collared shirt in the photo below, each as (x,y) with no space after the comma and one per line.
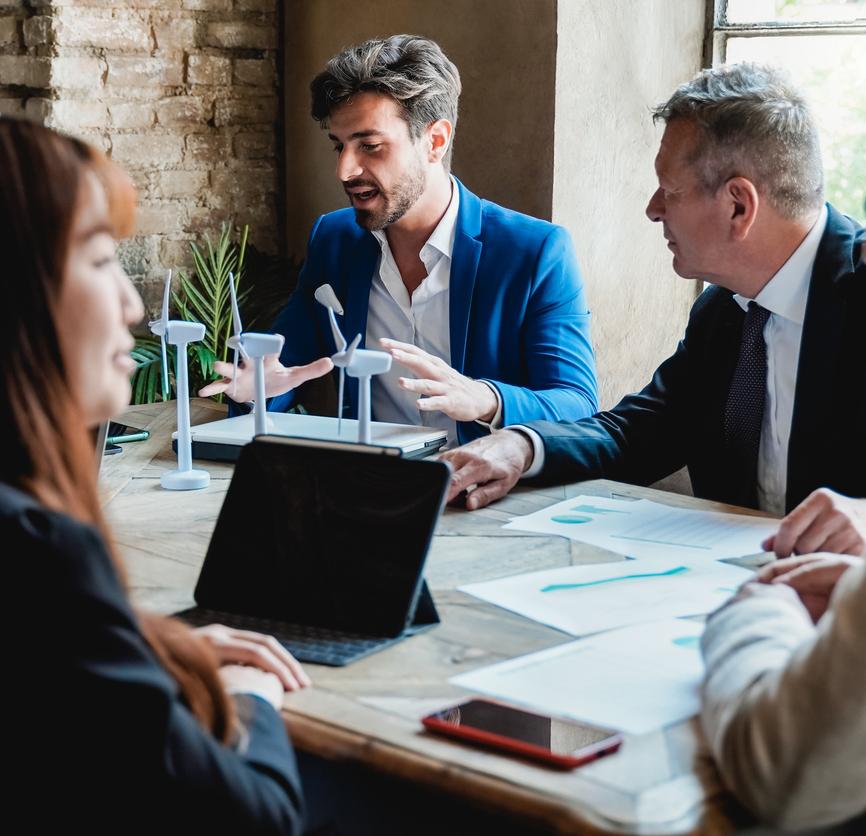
(422,320)
(785,297)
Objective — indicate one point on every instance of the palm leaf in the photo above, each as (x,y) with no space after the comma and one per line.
(204,296)
(205,359)
(147,379)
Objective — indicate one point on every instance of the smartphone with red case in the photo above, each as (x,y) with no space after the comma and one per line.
(561,743)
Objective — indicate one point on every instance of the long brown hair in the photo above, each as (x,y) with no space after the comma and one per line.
(47,449)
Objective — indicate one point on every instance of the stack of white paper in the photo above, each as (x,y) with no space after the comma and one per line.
(649,529)
(635,680)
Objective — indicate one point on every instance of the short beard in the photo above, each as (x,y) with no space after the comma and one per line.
(402,197)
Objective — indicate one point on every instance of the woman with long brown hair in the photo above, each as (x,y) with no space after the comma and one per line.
(124,721)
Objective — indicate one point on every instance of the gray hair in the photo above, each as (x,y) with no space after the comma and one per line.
(756,124)
(412,70)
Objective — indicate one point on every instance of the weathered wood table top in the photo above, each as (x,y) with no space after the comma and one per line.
(370,710)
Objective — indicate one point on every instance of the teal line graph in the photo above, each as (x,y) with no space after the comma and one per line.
(594,509)
(556,587)
(687,641)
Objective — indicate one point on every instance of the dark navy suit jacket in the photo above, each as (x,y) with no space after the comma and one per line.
(676,420)
(99,735)
(518,317)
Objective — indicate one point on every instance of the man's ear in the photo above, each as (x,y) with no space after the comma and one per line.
(439,135)
(743,200)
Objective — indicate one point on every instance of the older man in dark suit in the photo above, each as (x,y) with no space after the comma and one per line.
(764,399)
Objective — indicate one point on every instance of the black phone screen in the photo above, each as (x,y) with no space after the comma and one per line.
(561,737)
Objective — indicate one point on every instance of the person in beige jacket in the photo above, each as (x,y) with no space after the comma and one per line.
(784,697)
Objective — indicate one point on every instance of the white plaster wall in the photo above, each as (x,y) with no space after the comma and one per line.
(615,60)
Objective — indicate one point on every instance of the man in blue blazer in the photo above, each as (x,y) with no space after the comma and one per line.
(482,308)
(764,399)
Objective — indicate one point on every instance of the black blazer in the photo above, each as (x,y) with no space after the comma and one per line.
(676,420)
(100,739)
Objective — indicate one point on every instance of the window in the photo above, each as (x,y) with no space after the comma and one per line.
(823,45)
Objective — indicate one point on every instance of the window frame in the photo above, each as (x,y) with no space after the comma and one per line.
(719,29)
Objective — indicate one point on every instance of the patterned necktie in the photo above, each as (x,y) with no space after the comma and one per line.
(744,410)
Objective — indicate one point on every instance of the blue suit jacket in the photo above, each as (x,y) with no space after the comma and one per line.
(518,317)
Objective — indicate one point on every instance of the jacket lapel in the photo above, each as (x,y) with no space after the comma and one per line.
(819,350)
(464,267)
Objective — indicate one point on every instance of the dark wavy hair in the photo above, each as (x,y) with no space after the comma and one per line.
(46,449)
(412,70)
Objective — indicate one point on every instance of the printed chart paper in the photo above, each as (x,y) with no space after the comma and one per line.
(649,529)
(635,680)
(602,596)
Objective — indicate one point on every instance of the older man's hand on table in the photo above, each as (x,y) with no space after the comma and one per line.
(825,521)
(489,467)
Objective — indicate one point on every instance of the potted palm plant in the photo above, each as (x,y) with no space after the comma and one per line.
(202,295)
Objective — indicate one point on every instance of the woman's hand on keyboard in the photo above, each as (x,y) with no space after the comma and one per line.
(242,679)
(243,647)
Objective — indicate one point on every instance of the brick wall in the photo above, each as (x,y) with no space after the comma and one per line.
(23,72)
(183,93)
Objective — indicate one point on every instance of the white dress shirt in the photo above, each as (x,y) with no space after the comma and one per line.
(421,319)
(785,297)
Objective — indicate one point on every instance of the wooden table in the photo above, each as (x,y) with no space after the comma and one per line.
(369,711)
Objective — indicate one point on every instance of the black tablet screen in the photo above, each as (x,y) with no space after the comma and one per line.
(334,538)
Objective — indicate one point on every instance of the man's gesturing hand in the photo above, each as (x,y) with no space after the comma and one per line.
(278,378)
(445,389)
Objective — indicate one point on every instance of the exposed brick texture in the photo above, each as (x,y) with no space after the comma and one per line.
(183,93)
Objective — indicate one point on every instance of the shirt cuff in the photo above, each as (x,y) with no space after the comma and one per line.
(495,422)
(537,464)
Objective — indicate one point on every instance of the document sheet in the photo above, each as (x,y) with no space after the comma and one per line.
(644,528)
(603,596)
(636,680)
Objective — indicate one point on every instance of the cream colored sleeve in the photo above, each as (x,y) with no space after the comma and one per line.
(784,705)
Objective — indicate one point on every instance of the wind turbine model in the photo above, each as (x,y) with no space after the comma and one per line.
(257,347)
(355,362)
(179,333)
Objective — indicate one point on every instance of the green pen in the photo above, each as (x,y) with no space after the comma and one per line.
(141,435)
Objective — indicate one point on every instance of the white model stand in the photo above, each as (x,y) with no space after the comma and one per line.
(180,334)
(355,362)
(257,347)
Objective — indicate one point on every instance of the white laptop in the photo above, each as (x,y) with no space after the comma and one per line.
(223,440)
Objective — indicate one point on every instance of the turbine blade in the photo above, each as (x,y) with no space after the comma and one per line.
(235,377)
(236,314)
(340,403)
(325,295)
(166,293)
(339,339)
(351,350)
(164,368)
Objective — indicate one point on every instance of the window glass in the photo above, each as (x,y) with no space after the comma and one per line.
(794,11)
(831,69)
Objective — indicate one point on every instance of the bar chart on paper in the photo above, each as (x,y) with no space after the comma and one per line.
(650,529)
